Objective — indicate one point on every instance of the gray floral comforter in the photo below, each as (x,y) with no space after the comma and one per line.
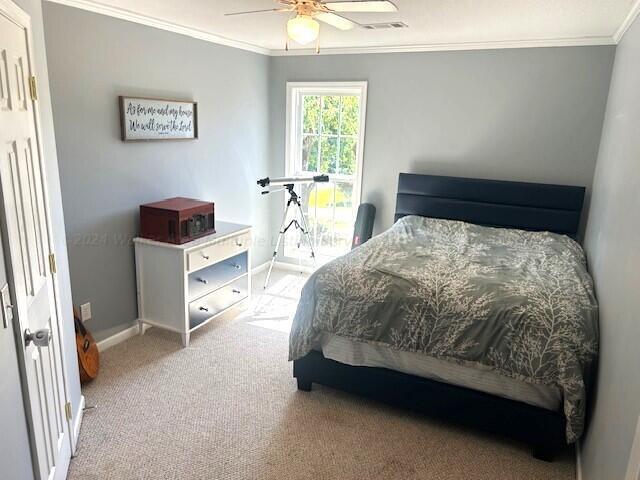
(519,302)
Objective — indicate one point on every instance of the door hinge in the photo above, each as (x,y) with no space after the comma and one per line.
(52,263)
(33,87)
(67,410)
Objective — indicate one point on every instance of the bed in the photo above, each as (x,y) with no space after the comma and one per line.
(476,306)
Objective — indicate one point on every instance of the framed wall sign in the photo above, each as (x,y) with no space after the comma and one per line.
(157,119)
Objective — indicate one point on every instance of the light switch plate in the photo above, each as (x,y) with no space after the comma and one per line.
(5,304)
(85,311)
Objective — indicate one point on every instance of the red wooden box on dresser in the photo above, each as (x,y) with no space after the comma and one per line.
(177,220)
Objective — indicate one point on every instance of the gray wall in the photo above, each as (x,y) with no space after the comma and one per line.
(524,114)
(92,60)
(34,9)
(613,247)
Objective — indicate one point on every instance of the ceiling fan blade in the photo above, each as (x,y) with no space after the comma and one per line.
(334,20)
(364,6)
(258,11)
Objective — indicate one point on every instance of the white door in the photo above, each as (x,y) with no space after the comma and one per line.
(26,233)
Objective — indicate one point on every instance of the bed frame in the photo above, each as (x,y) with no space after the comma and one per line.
(526,206)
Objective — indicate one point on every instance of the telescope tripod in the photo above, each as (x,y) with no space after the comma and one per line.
(294,199)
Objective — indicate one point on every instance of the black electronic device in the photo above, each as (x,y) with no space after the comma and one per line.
(363,228)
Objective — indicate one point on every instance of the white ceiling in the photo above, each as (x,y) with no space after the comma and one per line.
(433,24)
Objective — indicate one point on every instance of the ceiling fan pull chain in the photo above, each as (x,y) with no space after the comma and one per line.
(286,43)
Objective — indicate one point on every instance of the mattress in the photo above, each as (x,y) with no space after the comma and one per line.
(480,377)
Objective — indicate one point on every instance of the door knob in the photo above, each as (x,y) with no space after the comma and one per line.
(40,338)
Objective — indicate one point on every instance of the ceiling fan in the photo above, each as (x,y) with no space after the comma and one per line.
(304,27)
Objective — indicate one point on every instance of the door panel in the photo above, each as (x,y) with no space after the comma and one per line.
(37,207)
(8,173)
(20,84)
(30,216)
(23,201)
(5,97)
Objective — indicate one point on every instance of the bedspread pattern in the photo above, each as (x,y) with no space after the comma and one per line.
(519,302)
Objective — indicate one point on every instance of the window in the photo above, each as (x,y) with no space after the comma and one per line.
(325,134)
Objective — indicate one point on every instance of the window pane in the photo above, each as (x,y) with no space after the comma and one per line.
(329,151)
(347,164)
(321,214)
(310,153)
(350,115)
(344,195)
(343,226)
(321,197)
(310,113)
(330,114)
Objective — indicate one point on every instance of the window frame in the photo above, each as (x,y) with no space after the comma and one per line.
(295,91)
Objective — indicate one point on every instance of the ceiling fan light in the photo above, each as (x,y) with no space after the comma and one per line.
(303,29)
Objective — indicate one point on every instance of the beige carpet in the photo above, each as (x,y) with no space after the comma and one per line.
(227,407)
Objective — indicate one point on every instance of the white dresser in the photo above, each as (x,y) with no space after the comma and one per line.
(183,287)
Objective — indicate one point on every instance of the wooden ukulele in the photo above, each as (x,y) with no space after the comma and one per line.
(88,356)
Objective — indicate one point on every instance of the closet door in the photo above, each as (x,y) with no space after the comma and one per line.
(25,231)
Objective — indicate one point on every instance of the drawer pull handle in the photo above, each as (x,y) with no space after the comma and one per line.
(236,266)
(238,243)
(204,309)
(235,290)
(202,280)
(206,257)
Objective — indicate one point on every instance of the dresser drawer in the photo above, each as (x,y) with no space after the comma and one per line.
(204,308)
(210,254)
(214,276)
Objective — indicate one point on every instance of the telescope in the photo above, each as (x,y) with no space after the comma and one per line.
(294,200)
(266,182)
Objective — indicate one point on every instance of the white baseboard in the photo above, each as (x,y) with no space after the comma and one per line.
(119,337)
(578,461)
(260,268)
(77,424)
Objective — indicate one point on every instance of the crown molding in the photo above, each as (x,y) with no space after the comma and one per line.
(442,47)
(628,21)
(123,14)
(130,16)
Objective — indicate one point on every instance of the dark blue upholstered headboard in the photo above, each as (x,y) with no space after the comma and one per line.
(526,206)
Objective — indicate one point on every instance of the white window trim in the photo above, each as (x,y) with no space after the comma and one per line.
(295,90)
